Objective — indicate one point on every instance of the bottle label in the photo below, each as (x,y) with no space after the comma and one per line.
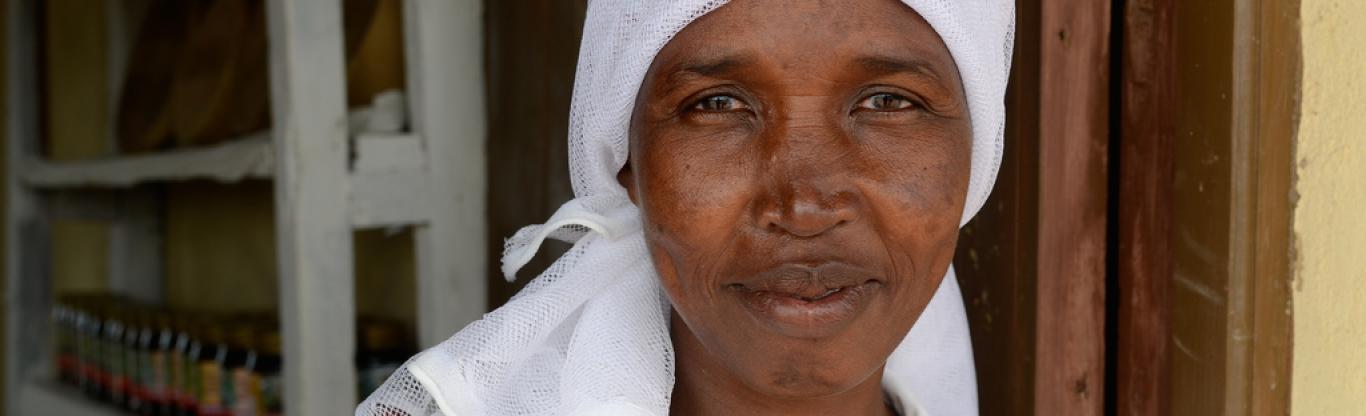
(211,390)
(175,391)
(112,376)
(155,384)
(246,390)
(133,375)
(190,390)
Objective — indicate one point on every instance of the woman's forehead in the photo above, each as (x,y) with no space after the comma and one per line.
(808,34)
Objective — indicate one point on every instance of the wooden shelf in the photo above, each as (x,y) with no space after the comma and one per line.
(42,397)
(247,157)
(233,161)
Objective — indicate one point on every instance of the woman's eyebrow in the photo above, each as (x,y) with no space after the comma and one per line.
(883,65)
(709,67)
(717,65)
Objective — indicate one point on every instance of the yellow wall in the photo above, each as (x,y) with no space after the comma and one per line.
(1330,218)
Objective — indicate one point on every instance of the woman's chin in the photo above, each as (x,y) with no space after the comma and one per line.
(804,380)
(807,362)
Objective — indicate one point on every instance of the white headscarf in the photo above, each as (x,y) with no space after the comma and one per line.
(590,335)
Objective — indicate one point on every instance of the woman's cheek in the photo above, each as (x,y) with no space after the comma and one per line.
(703,189)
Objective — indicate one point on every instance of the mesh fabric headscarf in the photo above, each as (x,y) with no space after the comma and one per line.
(590,334)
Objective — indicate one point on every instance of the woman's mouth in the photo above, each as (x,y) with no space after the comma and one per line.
(807,302)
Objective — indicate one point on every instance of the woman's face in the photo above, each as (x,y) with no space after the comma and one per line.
(801,167)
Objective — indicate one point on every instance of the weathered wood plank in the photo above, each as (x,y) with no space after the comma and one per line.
(317,299)
(1073,154)
(1147,166)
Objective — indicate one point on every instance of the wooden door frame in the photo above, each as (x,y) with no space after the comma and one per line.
(1267,61)
(1264,75)
(1073,162)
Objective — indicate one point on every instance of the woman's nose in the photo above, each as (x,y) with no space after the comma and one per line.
(808,211)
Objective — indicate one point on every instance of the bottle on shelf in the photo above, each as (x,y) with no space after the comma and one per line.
(212,358)
(80,321)
(87,347)
(135,357)
(64,334)
(268,366)
(242,387)
(155,342)
(157,361)
(184,366)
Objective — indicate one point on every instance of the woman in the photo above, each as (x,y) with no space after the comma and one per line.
(768,197)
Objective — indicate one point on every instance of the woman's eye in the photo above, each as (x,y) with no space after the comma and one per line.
(720,103)
(885,102)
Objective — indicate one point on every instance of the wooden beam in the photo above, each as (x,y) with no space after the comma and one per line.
(1073,153)
(390,199)
(231,161)
(1146,169)
(317,299)
(446,79)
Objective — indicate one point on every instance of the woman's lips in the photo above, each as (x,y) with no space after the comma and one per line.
(807,302)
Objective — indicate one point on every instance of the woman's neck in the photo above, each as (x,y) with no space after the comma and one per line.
(703,386)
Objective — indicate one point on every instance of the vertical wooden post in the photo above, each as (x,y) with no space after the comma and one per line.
(445,77)
(1073,153)
(317,299)
(28,287)
(1147,166)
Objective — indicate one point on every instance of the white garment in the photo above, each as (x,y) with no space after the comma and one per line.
(589,336)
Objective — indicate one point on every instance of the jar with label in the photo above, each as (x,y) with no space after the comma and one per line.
(268,365)
(213,355)
(380,353)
